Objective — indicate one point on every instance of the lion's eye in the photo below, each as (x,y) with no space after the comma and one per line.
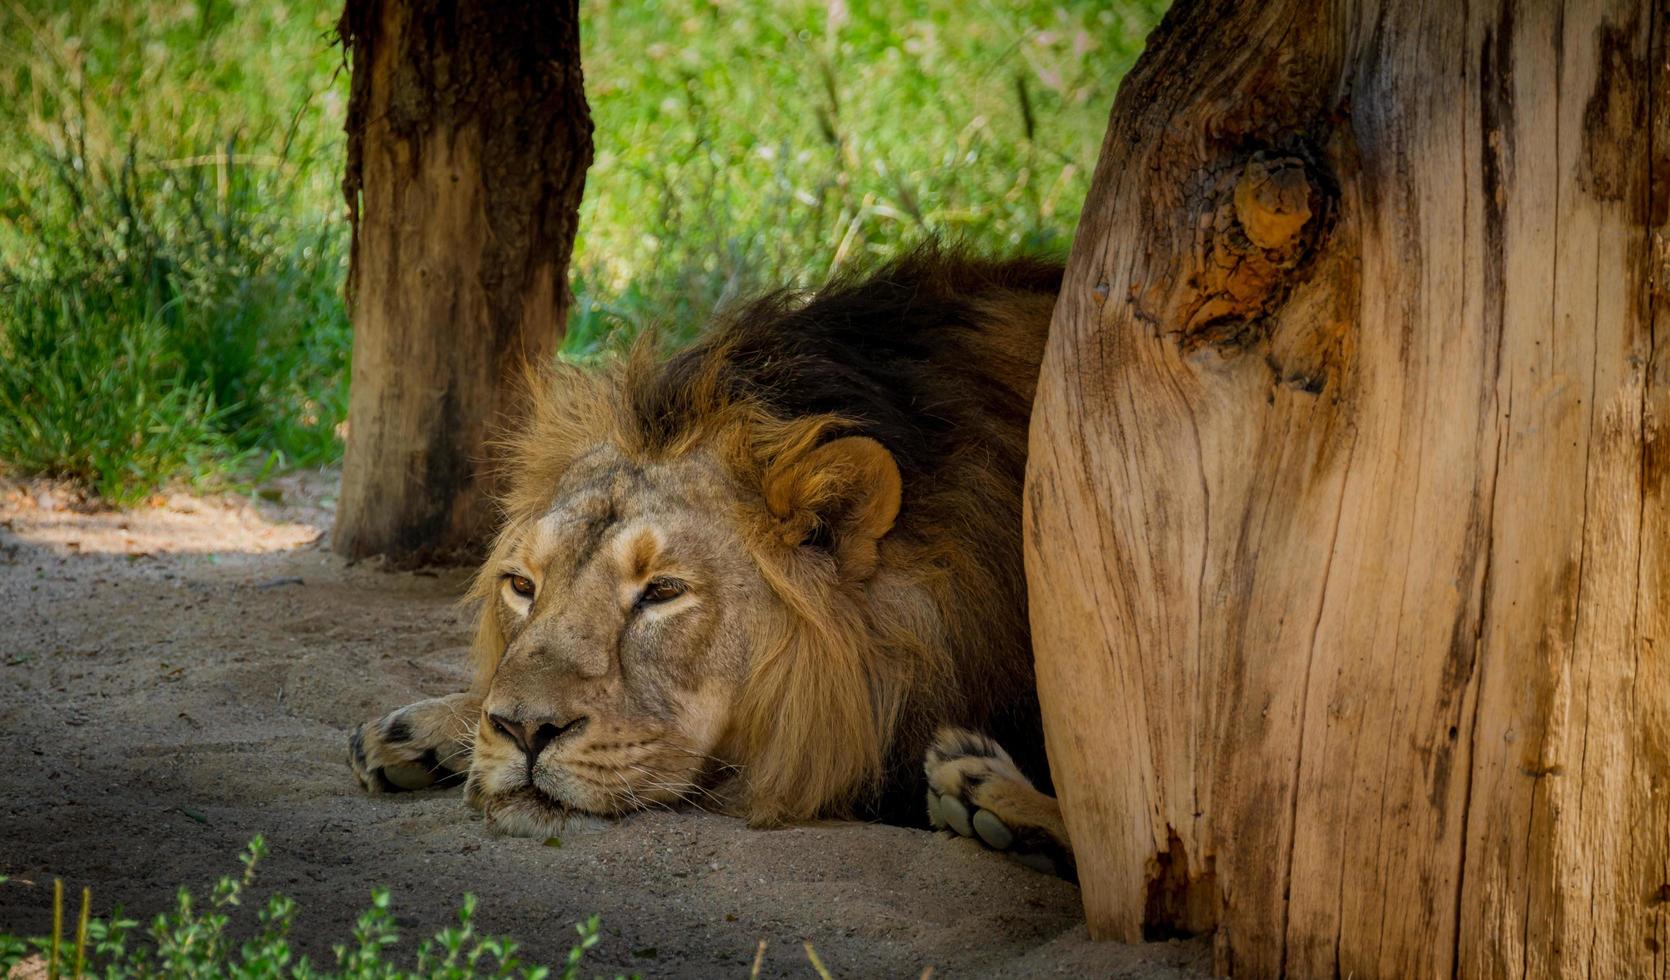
(661,590)
(521,585)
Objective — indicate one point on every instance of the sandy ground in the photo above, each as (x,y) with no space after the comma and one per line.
(179,677)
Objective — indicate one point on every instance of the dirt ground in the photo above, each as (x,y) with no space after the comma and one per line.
(179,677)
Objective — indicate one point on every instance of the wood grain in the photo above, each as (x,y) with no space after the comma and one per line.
(1349,550)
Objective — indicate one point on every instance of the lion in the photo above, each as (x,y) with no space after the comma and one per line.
(776,574)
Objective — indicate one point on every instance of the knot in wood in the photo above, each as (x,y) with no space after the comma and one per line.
(1272,201)
(1226,259)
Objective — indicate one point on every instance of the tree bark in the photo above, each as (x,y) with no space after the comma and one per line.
(468,142)
(1348,526)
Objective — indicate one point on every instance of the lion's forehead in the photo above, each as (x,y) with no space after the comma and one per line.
(624,511)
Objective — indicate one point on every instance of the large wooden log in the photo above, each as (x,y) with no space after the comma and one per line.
(468,143)
(1348,526)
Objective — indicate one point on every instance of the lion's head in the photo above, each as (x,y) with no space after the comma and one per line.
(653,616)
(777,560)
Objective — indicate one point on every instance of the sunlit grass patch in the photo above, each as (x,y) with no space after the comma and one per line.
(745,145)
(171,256)
(172,241)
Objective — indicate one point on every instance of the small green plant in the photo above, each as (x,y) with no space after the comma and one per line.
(190,942)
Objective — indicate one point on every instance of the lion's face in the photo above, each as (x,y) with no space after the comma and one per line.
(665,620)
(625,614)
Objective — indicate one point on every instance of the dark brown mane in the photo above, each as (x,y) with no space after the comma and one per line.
(935,356)
(897,351)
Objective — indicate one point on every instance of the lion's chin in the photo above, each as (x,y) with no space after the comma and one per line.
(527,812)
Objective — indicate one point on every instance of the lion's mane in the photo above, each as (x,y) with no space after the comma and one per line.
(935,356)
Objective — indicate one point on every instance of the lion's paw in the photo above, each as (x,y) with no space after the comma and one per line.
(420,746)
(976,791)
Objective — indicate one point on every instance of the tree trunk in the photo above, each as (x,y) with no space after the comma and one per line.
(468,142)
(1348,527)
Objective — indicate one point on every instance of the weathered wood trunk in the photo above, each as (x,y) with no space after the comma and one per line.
(1348,526)
(468,142)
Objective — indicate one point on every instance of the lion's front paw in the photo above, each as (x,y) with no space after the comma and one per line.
(976,791)
(420,746)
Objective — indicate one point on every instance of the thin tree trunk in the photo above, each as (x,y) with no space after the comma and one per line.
(1348,526)
(468,142)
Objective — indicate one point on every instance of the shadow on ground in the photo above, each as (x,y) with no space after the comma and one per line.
(177,678)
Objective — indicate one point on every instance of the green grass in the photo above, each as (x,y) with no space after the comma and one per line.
(171,251)
(195,942)
(748,145)
(172,241)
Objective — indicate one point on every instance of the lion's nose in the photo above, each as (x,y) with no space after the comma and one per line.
(534,734)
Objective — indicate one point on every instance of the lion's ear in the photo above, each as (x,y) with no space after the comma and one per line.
(842,496)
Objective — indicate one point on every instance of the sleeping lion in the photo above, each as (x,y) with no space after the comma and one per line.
(778,573)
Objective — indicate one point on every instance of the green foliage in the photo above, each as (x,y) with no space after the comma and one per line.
(743,144)
(171,255)
(172,247)
(193,943)
(102,401)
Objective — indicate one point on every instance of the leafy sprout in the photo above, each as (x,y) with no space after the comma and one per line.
(192,942)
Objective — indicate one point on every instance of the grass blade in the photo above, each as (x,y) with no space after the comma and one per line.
(57,928)
(817,964)
(81,931)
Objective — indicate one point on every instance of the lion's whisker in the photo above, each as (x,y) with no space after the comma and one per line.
(652,782)
(637,800)
(722,764)
(682,793)
(679,789)
(684,787)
